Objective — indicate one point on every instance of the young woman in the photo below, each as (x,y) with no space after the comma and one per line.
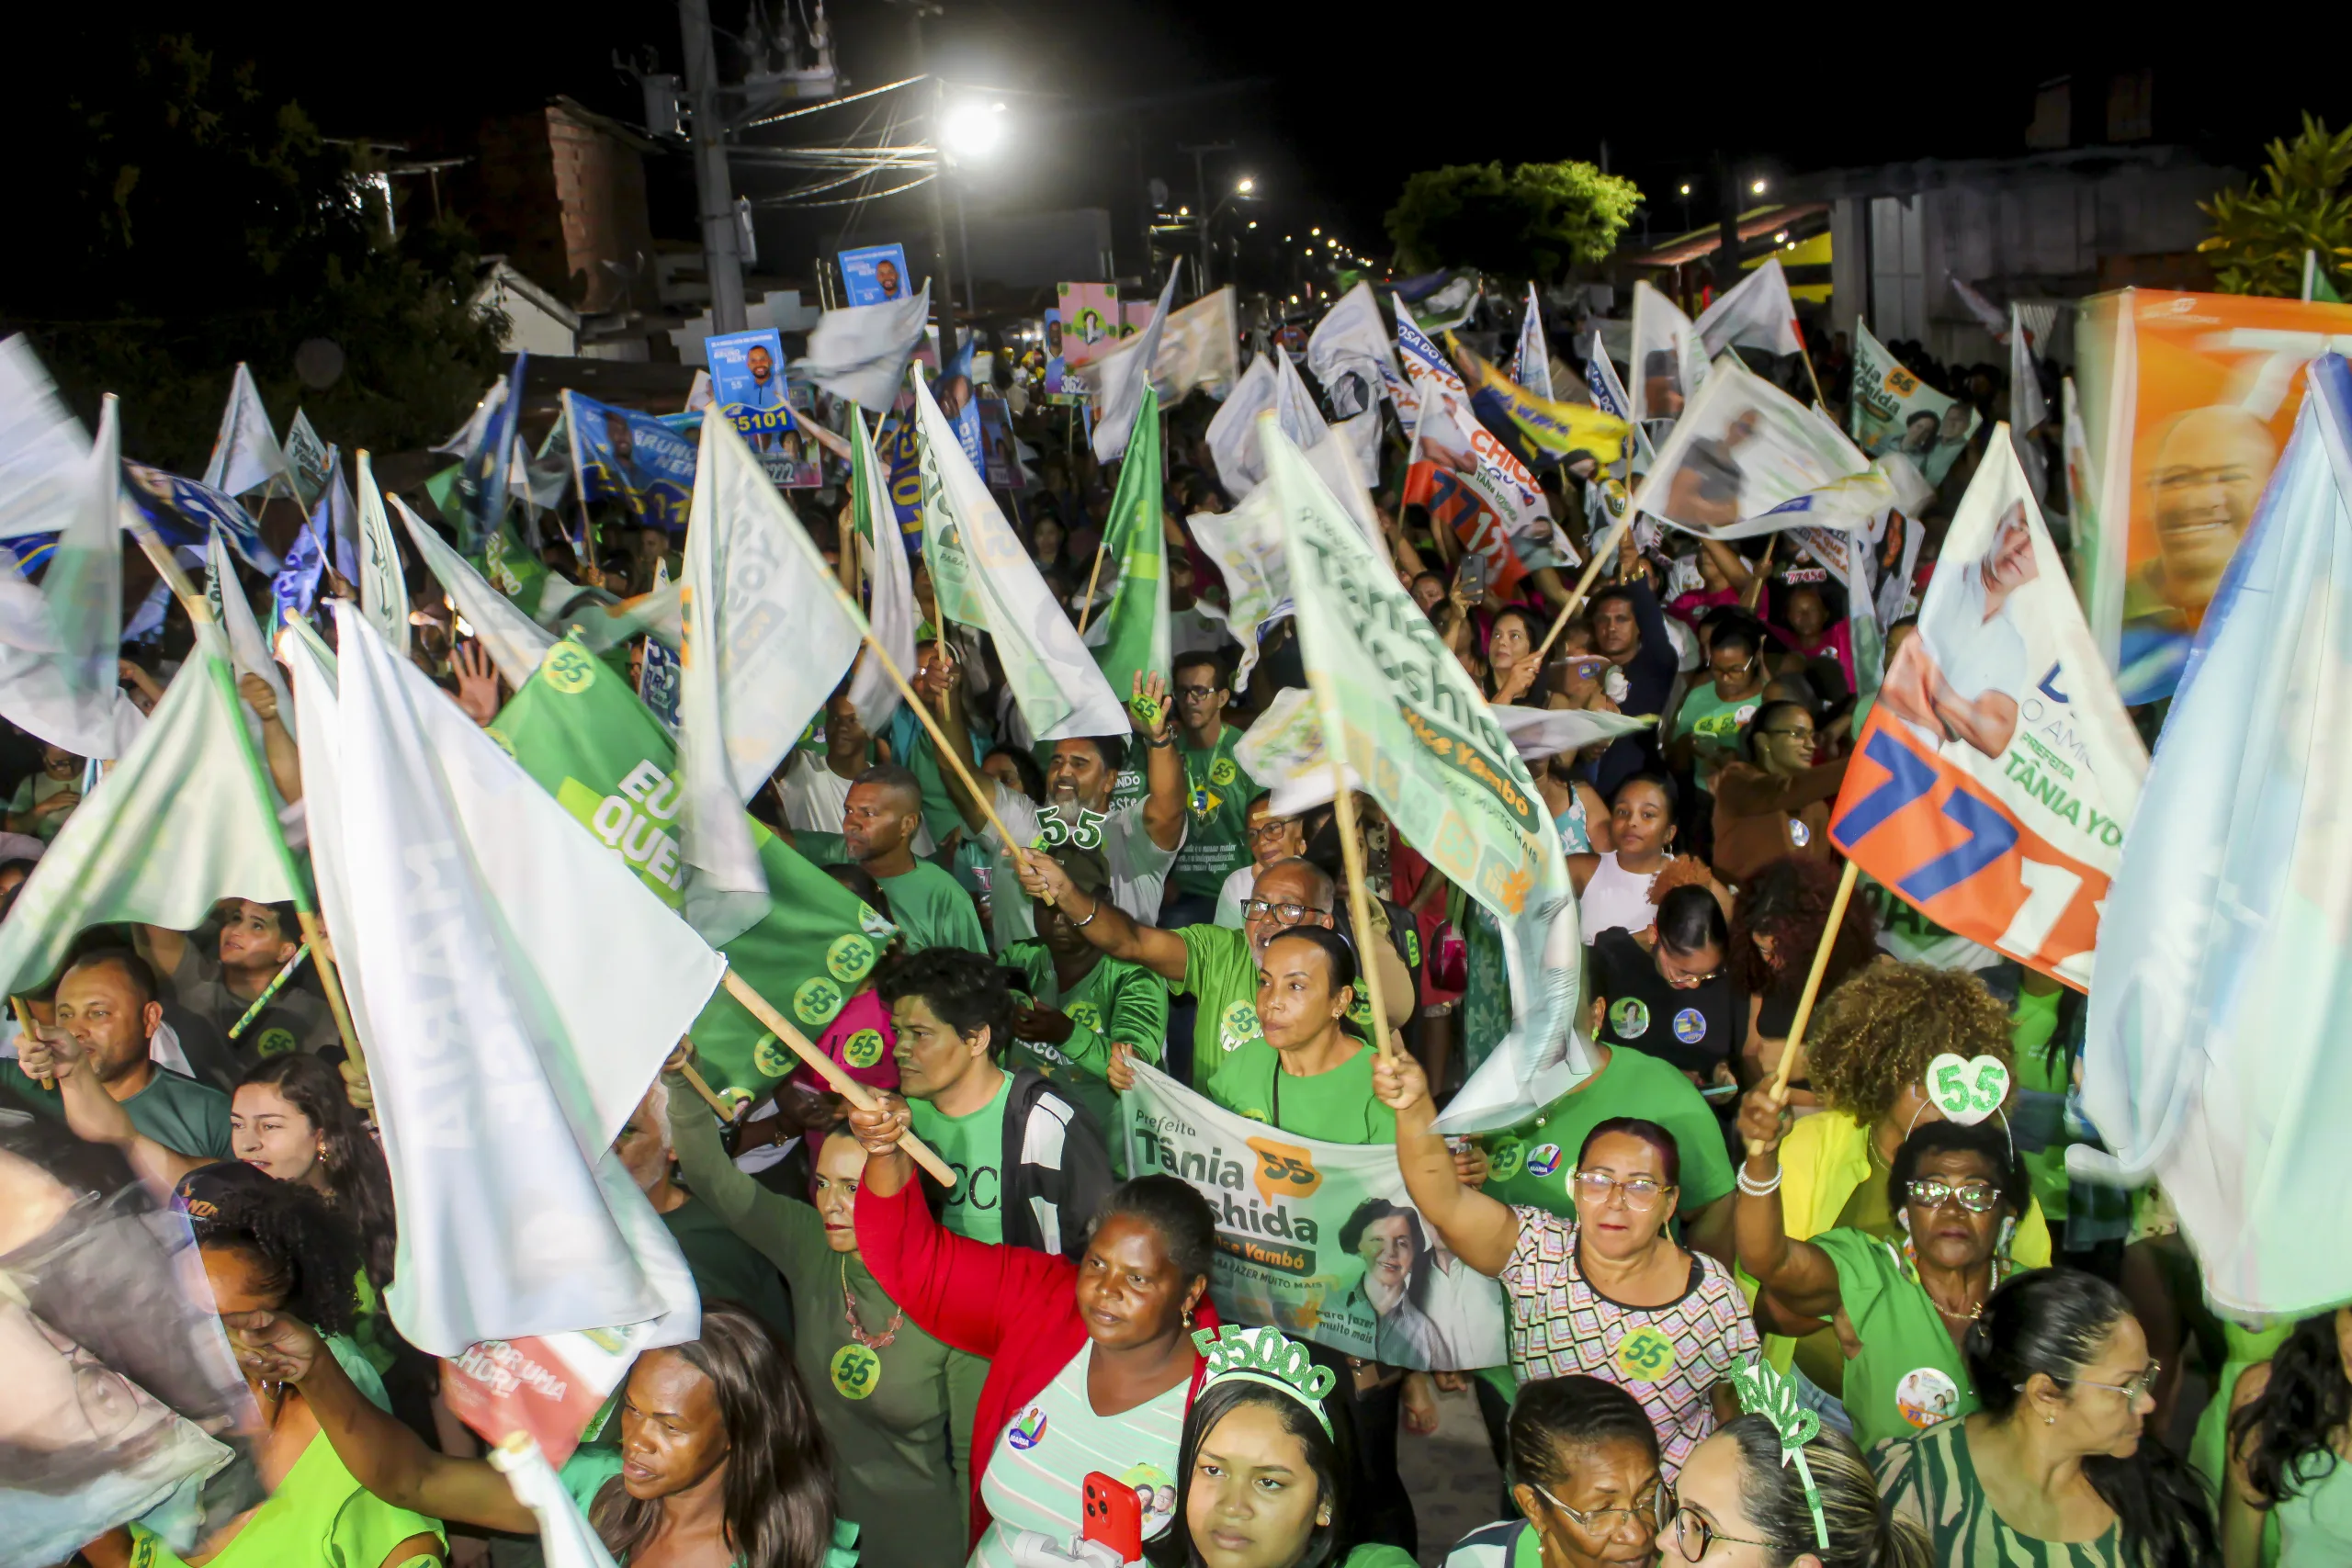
(1264,1469)
(1776,924)
(721,1464)
(1740,1503)
(1584,1463)
(291,1120)
(2053,1471)
(272,1246)
(1613,889)
(1608,1293)
(1512,666)
(1091,1366)
(1771,801)
(894,1402)
(2290,1434)
(1668,992)
(1902,1308)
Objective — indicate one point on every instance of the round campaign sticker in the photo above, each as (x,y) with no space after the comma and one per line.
(1028,1431)
(771,1057)
(1085,1013)
(1155,1491)
(735,1098)
(1221,770)
(275,1042)
(1506,1160)
(1644,1356)
(1543,1160)
(849,957)
(1689,1026)
(1799,834)
(1238,1026)
(569,668)
(856,1371)
(816,1000)
(1927,1395)
(1630,1018)
(863,1049)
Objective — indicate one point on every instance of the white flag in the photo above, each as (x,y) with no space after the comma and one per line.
(766,642)
(1119,378)
(858,353)
(471,433)
(1353,356)
(985,578)
(1246,545)
(248,649)
(43,447)
(67,690)
(566,1540)
(1271,382)
(1199,350)
(1668,361)
(2028,408)
(1757,314)
(1987,315)
(308,460)
(245,454)
(383,593)
(336,518)
(1530,363)
(505,1052)
(892,610)
(515,642)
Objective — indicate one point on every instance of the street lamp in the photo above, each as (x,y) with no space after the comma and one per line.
(1246,185)
(973,128)
(1756,188)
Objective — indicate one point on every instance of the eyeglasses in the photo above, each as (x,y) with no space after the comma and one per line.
(1977,1195)
(2134,1391)
(1693,1536)
(1682,982)
(1289,914)
(1273,830)
(1609,1521)
(1800,734)
(1595,1186)
(1197,694)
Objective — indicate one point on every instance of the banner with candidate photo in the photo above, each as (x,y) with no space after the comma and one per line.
(1894,410)
(747,382)
(1465,476)
(631,457)
(1090,321)
(1998,771)
(1319,1240)
(875,274)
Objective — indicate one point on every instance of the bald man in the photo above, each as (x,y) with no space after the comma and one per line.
(2204,479)
(880,818)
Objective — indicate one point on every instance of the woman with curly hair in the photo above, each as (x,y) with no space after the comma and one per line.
(1869,1042)
(2290,1434)
(1776,924)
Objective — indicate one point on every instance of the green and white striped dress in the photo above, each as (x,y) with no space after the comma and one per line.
(1035,1480)
(1931,1479)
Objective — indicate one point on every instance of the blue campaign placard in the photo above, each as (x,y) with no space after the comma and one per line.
(875,274)
(747,381)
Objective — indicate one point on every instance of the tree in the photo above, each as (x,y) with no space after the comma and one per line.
(2259,235)
(181,219)
(1533,222)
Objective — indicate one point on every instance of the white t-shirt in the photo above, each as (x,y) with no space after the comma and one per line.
(1234,894)
(815,799)
(1977,655)
(1034,1485)
(1138,867)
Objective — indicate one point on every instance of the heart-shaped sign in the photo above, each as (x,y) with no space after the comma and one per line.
(1966,1091)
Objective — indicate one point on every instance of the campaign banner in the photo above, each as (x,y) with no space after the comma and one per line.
(1894,410)
(2187,401)
(874,275)
(1459,465)
(997,445)
(1319,1240)
(1997,771)
(634,458)
(1668,361)
(185,511)
(550,1385)
(1091,323)
(747,381)
(1055,365)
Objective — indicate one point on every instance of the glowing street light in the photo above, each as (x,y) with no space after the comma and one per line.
(1756,188)
(1686,191)
(1253,222)
(1245,186)
(1317,232)
(974,128)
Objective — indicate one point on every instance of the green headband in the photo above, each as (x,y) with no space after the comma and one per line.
(1263,1356)
(1763,1392)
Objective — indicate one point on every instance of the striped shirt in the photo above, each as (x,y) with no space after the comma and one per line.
(1931,1479)
(1036,1480)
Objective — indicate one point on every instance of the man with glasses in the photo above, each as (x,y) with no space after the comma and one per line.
(1217,789)
(1270,838)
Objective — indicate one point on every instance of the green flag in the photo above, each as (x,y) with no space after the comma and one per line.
(579,730)
(505,559)
(1135,624)
(182,821)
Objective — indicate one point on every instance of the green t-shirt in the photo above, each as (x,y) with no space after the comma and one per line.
(1217,790)
(1333,1107)
(584,1474)
(726,1269)
(1909,1375)
(1532,1162)
(185,1116)
(320,1514)
(927,905)
(1115,1001)
(1717,723)
(1222,973)
(974,1147)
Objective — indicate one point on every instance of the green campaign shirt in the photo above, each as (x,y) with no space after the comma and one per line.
(974,1147)
(1115,1001)
(930,908)
(1222,973)
(1717,723)
(185,1116)
(725,1266)
(1910,1375)
(1217,790)
(1532,1162)
(1332,1106)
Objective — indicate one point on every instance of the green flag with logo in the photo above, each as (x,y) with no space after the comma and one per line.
(1134,624)
(579,730)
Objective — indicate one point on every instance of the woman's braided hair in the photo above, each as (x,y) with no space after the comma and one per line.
(1878,1031)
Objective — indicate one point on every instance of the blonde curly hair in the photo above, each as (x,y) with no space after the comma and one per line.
(1876,1033)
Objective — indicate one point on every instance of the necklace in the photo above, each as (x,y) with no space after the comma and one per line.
(1911,1271)
(857,1330)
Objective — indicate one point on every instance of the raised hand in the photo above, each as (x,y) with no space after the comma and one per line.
(1764,1117)
(477,684)
(1397,1080)
(1150,712)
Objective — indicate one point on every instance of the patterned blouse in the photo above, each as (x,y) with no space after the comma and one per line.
(1669,1358)
(1931,1478)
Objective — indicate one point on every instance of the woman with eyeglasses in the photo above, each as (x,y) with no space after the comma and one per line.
(2056,1471)
(1607,1293)
(1771,801)
(1583,1473)
(1902,1305)
(1669,992)
(1707,726)
(1741,1503)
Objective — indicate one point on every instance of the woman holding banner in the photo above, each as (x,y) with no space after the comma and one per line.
(1608,1293)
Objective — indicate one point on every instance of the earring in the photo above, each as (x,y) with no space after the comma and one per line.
(2049,1420)
(2009,1229)
(1188,1317)
(1902,1218)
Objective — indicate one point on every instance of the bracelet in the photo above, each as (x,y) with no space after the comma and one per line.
(1081,925)
(1760,1188)
(1158,745)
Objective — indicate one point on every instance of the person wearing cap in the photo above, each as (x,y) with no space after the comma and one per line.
(1083,1005)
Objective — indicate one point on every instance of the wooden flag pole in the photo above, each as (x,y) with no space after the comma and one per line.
(1600,554)
(25,1025)
(1343,800)
(1086,605)
(315,933)
(1813,983)
(1755,594)
(848,1088)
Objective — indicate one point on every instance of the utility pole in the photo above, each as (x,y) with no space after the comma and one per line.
(1727,195)
(942,293)
(714,192)
(1201,203)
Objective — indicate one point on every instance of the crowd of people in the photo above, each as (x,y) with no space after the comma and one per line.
(1755,1310)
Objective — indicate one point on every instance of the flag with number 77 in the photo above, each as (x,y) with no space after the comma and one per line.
(1992,786)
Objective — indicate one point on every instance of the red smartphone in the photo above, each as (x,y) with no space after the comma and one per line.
(1111,1514)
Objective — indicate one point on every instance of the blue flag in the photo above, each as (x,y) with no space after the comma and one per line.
(183,511)
(482,473)
(296,587)
(636,459)
(2212,1061)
